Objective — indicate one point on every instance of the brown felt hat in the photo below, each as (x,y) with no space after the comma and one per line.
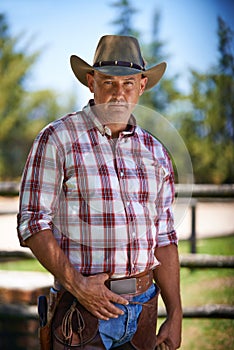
(117,55)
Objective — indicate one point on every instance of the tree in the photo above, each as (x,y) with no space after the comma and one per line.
(124,19)
(208,127)
(161,96)
(225,80)
(164,94)
(22,113)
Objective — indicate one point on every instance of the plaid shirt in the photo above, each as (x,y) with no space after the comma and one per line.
(108,204)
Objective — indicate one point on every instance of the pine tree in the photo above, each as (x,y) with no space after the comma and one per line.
(22,113)
(123,22)
(208,128)
(165,93)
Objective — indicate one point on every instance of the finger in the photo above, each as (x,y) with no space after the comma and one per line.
(162,335)
(113,309)
(160,340)
(116,298)
(165,346)
(105,308)
(105,313)
(162,346)
(100,316)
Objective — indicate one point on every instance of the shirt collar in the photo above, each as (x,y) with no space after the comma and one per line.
(103,129)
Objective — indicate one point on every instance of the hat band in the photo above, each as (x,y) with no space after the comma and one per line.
(118,63)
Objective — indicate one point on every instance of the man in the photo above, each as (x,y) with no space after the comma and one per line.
(95,205)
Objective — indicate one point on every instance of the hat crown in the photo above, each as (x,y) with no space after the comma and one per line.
(118,48)
(117,55)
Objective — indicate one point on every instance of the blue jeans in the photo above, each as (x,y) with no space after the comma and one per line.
(118,331)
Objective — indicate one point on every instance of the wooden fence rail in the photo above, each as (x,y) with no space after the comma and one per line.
(198,190)
(205,311)
(26,312)
(186,260)
(206,261)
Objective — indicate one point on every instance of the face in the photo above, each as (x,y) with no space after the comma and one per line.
(117,94)
(107,88)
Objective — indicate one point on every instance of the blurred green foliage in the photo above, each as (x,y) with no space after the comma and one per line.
(208,127)
(22,113)
(204,117)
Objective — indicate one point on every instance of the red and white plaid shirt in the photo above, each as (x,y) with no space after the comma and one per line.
(108,204)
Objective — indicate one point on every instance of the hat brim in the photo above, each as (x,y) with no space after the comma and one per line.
(81,68)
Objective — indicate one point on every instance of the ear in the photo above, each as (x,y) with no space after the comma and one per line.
(143,84)
(90,81)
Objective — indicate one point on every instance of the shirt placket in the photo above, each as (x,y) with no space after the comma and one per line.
(129,210)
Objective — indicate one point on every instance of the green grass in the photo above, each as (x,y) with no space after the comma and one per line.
(214,246)
(207,286)
(198,287)
(22,265)
(208,334)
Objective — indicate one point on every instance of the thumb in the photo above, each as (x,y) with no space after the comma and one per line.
(99,279)
(103,277)
(162,335)
(159,340)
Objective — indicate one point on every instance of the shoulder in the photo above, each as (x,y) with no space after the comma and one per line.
(58,136)
(62,128)
(63,123)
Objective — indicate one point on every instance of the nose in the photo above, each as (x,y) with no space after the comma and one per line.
(118,90)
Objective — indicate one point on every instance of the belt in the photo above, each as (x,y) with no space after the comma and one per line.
(134,285)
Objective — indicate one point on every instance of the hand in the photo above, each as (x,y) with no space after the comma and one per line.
(169,335)
(90,291)
(98,299)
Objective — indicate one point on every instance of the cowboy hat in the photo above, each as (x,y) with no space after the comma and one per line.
(117,55)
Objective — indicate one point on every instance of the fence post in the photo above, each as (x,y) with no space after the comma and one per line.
(193,248)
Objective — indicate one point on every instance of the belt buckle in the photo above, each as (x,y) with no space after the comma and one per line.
(124,286)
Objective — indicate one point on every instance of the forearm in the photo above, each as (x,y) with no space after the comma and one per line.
(167,276)
(50,255)
(90,291)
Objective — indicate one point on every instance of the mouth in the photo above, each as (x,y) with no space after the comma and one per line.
(118,105)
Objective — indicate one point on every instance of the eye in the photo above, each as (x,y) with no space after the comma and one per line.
(129,85)
(108,82)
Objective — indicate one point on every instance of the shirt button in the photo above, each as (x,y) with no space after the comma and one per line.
(134,235)
(121,173)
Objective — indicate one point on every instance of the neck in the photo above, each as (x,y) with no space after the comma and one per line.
(116,129)
(115,118)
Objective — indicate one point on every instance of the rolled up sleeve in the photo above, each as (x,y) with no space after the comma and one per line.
(40,187)
(166,233)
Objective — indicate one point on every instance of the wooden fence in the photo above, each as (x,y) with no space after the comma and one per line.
(19,322)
